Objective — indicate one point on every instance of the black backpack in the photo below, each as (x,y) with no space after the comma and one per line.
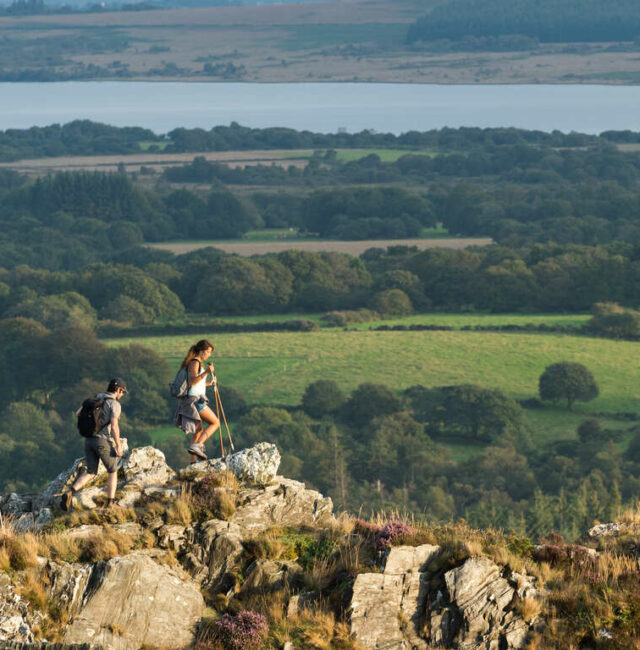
(89,416)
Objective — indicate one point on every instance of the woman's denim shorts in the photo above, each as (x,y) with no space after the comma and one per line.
(201,405)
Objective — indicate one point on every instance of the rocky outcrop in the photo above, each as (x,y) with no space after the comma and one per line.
(256,466)
(16,616)
(282,503)
(215,547)
(132,602)
(402,608)
(387,609)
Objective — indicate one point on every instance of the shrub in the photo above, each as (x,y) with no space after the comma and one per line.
(214,496)
(243,631)
(391,533)
(392,302)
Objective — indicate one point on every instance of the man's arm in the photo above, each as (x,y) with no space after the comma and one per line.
(115,434)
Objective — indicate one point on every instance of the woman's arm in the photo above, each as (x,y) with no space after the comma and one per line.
(195,376)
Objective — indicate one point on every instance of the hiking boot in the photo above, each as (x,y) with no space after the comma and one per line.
(66,501)
(197,449)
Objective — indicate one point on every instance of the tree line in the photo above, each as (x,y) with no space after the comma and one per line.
(548,20)
(84,137)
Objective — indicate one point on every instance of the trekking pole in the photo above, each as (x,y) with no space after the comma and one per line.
(219,427)
(224,417)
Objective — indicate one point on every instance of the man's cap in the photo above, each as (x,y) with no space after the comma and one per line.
(117,382)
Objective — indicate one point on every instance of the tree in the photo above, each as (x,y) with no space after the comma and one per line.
(321,398)
(369,401)
(392,302)
(566,380)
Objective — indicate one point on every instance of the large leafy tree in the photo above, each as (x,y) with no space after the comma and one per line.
(565,380)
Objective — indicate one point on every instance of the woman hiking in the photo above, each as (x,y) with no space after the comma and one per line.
(193,410)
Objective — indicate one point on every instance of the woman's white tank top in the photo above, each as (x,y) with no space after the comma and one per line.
(199,389)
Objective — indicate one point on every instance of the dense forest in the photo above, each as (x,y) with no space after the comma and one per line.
(547,20)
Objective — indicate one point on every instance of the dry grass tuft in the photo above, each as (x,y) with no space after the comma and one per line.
(180,511)
(33,589)
(530,608)
(20,551)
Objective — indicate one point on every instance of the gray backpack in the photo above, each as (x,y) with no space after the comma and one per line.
(179,387)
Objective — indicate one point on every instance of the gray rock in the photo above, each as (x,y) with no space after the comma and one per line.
(131,601)
(257,465)
(402,559)
(216,547)
(172,536)
(284,503)
(168,493)
(25,523)
(67,583)
(266,575)
(147,466)
(14,504)
(387,610)
(130,495)
(90,497)
(199,470)
(15,628)
(480,615)
(51,494)
(612,530)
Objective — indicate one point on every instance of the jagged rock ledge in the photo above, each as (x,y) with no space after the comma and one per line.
(152,594)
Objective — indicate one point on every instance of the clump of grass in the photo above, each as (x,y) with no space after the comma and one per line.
(19,551)
(33,589)
(180,511)
(105,545)
(215,496)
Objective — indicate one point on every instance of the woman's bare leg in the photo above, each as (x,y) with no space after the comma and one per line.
(209,417)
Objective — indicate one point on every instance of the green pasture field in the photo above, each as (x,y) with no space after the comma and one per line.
(275,368)
(145,146)
(386,155)
(459,321)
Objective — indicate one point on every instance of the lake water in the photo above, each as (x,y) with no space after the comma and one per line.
(325,107)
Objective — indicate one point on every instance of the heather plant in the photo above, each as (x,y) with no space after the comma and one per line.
(391,533)
(244,631)
(214,496)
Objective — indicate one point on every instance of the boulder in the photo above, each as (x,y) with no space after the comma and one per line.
(147,466)
(480,614)
(267,575)
(613,529)
(14,504)
(171,536)
(132,601)
(67,584)
(387,609)
(215,546)
(257,465)
(49,497)
(283,503)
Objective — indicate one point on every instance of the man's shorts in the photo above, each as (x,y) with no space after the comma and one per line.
(100,449)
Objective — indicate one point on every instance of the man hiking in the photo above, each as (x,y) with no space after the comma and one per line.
(104,445)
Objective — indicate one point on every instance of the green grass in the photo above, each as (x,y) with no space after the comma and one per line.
(145,146)
(275,368)
(386,155)
(458,321)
